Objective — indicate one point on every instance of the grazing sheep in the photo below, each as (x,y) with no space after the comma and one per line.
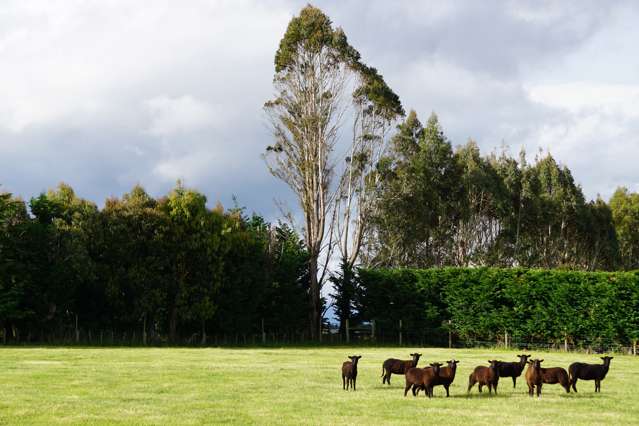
(485,376)
(513,369)
(596,372)
(533,377)
(349,373)
(397,366)
(422,378)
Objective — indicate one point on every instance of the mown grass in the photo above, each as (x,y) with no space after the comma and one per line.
(285,386)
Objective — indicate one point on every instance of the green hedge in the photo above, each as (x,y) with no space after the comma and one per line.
(531,305)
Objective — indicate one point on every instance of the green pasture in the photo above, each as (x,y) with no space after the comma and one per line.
(286,386)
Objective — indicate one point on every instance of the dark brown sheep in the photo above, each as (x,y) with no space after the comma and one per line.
(488,376)
(533,376)
(349,373)
(422,378)
(446,376)
(596,372)
(513,369)
(554,375)
(398,366)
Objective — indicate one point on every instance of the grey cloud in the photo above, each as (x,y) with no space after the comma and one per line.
(103,99)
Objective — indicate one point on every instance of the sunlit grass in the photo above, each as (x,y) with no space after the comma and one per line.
(289,385)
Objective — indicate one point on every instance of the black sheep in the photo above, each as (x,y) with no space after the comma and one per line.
(513,369)
(596,372)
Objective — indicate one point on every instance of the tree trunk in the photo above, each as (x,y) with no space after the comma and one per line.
(316,302)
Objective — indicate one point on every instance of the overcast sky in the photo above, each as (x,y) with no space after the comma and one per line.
(106,94)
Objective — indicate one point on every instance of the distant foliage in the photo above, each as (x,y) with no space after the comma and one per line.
(531,305)
(439,206)
(167,269)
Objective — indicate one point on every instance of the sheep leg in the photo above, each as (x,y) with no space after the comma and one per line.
(514,382)
(471,383)
(343,382)
(446,387)
(354,383)
(495,387)
(480,386)
(539,390)
(406,388)
(597,385)
(574,383)
(490,388)
(531,390)
(429,391)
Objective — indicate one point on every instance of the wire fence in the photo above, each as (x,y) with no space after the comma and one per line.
(361,335)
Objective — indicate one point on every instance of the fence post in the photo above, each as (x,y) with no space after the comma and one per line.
(144,330)
(506,339)
(565,342)
(348,333)
(373,330)
(263,333)
(400,332)
(634,347)
(450,333)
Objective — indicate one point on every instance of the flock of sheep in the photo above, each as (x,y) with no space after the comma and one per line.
(438,375)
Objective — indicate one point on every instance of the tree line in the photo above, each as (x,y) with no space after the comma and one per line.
(375,188)
(167,269)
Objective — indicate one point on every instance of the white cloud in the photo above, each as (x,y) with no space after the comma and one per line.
(182,114)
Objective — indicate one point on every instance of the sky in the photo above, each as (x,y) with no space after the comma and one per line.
(106,94)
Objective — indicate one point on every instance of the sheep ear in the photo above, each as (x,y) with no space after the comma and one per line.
(541,360)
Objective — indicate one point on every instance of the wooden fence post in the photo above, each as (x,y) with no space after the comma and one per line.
(450,333)
(348,333)
(373,330)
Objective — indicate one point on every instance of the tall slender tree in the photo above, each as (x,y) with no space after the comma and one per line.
(315,68)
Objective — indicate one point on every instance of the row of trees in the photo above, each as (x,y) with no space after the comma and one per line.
(444,206)
(166,269)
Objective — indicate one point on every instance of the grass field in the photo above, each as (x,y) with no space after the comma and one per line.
(285,386)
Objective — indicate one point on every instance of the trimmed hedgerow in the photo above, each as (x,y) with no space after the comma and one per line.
(531,305)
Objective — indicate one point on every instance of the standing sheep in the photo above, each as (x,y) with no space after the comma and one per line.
(422,378)
(446,375)
(488,376)
(533,377)
(596,372)
(398,366)
(349,372)
(513,369)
